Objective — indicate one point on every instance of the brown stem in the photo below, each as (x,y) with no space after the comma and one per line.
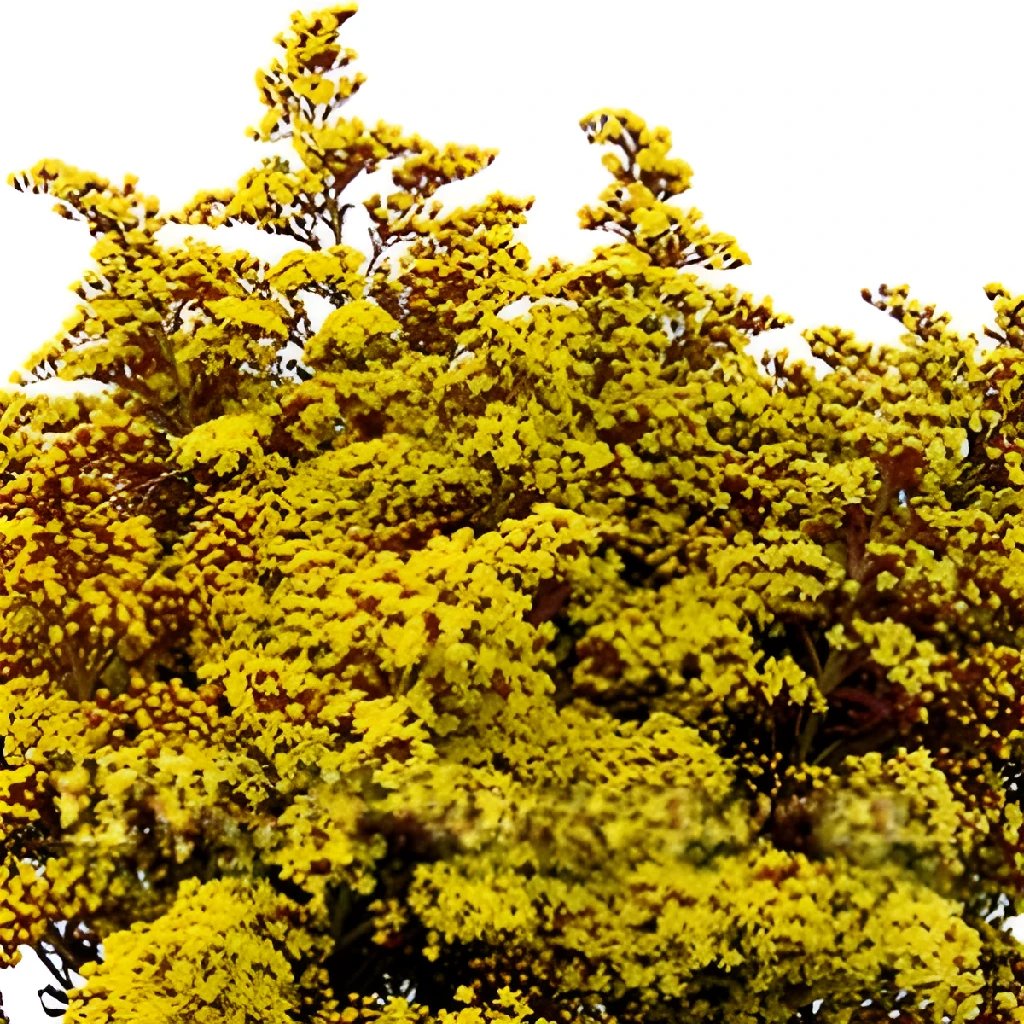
(54,938)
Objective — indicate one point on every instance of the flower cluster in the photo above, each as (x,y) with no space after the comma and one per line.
(407,632)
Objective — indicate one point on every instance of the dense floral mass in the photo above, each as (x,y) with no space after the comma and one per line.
(407,632)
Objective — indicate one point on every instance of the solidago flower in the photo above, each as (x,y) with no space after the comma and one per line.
(404,632)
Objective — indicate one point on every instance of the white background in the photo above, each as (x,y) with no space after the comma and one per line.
(844,144)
